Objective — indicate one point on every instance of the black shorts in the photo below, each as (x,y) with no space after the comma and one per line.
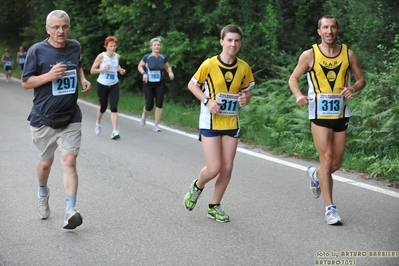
(337,125)
(215,133)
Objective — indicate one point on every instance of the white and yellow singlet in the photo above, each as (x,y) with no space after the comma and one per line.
(222,82)
(325,79)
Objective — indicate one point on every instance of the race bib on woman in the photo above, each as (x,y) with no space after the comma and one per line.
(154,76)
(110,75)
(230,103)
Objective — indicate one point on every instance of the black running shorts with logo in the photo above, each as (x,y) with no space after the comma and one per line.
(337,125)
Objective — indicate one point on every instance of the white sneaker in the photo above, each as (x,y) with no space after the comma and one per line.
(97,129)
(332,216)
(43,208)
(143,120)
(314,185)
(156,128)
(72,219)
(115,134)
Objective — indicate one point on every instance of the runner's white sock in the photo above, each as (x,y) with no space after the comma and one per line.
(43,191)
(315,177)
(70,202)
(329,207)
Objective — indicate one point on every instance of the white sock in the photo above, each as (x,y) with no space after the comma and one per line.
(70,202)
(43,191)
(330,207)
(315,177)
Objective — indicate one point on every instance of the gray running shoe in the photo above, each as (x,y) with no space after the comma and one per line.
(43,209)
(97,129)
(115,135)
(332,216)
(72,219)
(314,185)
(156,128)
(143,120)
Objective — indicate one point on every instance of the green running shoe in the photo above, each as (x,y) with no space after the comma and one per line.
(217,214)
(192,196)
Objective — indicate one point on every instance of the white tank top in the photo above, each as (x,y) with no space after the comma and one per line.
(110,76)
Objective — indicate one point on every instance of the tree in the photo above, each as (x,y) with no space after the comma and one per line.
(14,15)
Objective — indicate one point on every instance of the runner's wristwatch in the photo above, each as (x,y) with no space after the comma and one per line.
(205,101)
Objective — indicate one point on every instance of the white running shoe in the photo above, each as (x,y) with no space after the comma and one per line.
(115,135)
(143,120)
(97,129)
(314,185)
(156,128)
(332,216)
(43,208)
(72,219)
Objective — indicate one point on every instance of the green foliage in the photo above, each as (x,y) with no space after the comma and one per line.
(35,31)
(376,120)
(13,16)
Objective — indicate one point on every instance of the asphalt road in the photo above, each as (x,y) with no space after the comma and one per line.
(131,198)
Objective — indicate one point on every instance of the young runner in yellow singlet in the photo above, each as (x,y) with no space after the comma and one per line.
(222,83)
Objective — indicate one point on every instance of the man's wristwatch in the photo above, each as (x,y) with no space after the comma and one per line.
(205,101)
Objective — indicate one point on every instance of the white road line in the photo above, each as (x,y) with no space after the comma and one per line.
(265,157)
(335,177)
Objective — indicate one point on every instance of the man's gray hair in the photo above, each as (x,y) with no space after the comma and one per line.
(57,13)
